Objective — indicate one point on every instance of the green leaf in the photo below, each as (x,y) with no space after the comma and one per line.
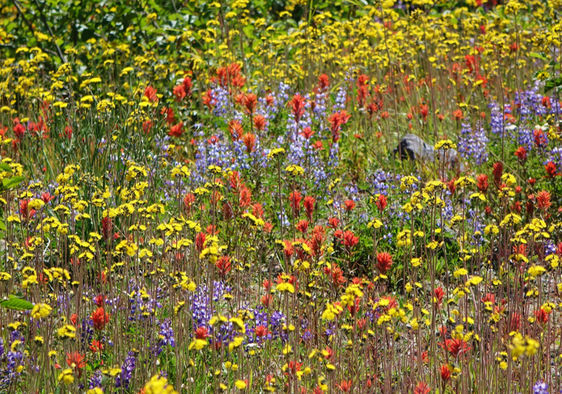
(18,304)
(5,167)
(538,56)
(10,183)
(552,83)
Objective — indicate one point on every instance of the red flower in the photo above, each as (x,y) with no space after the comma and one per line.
(438,293)
(541,315)
(297,106)
(170,115)
(288,248)
(424,110)
(200,241)
(100,318)
(187,85)
(457,114)
(188,201)
(99,300)
(349,205)
(302,226)
(337,119)
(482,182)
(455,346)
(75,361)
(333,222)
(295,199)
(349,239)
(25,212)
(46,197)
(445,372)
(150,94)
(260,122)
(521,153)
(489,297)
(384,262)
(421,388)
(74,319)
(345,385)
(540,137)
(179,92)
(266,300)
(201,332)
(497,171)
(235,129)
(249,140)
(250,101)
(323,81)
(261,331)
(176,130)
(307,133)
(550,168)
(543,200)
(208,99)
(147,126)
(381,202)
(96,346)
(245,196)
(106,227)
(336,275)
(19,130)
(224,265)
(257,210)
(309,203)
(68,132)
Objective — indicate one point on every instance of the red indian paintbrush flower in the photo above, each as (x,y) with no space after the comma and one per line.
(295,199)
(75,360)
(521,153)
(482,182)
(445,372)
(381,202)
(543,200)
(297,106)
(384,262)
(100,318)
(308,203)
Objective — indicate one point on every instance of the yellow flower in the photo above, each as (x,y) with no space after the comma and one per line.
(159,385)
(66,376)
(197,344)
(67,331)
(240,384)
(460,272)
(40,311)
(295,170)
(445,144)
(536,270)
(285,286)
(275,152)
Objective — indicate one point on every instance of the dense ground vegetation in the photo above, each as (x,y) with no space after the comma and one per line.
(203,196)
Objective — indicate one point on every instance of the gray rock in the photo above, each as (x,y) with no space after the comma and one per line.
(413,147)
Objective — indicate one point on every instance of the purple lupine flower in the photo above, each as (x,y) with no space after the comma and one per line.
(472,143)
(540,388)
(166,336)
(95,380)
(124,378)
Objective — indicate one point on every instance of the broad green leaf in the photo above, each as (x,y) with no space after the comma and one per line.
(17,304)
(10,183)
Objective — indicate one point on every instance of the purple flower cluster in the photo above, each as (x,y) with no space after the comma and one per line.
(472,143)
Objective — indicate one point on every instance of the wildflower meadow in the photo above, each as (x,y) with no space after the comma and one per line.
(293,196)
